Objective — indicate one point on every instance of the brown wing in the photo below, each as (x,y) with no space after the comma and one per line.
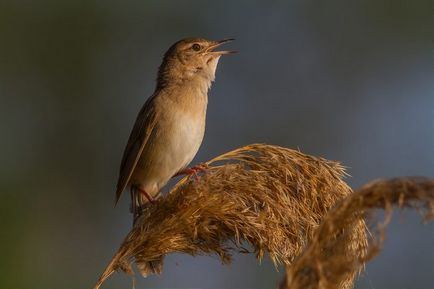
(139,136)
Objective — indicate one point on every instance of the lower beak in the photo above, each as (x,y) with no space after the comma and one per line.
(211,48)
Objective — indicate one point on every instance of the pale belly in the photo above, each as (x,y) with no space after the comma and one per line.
(170,149)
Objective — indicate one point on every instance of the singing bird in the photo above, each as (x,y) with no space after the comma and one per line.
(170,126)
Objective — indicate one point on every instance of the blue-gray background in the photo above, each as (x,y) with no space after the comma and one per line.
(347,80)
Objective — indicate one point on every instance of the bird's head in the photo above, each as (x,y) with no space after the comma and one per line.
(191,59)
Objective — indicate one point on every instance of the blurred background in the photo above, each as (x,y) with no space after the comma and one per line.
(346,80)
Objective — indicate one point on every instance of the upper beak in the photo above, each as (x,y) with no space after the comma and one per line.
(210,48)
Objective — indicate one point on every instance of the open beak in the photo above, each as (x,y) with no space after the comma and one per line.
(211,48)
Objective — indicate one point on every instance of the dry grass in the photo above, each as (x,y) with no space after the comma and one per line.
(317,269)
(271,197)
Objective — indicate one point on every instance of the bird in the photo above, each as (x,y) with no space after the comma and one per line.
(170,126)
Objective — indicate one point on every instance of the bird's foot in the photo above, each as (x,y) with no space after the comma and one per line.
(193,171)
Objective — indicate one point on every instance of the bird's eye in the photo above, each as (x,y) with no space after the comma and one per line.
(196,47)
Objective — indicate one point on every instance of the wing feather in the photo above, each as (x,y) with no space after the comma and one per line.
(143,127)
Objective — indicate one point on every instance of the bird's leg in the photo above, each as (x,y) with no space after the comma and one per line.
(136,201)
(148,196)
(202,167)
(193,171)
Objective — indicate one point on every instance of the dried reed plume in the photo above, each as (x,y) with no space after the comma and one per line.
(270,197)
(315,268)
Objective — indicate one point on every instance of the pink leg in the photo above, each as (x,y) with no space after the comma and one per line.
(193,171)
(136,204)
(148,196)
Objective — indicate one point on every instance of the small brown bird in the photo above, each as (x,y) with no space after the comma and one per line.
(170,126)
